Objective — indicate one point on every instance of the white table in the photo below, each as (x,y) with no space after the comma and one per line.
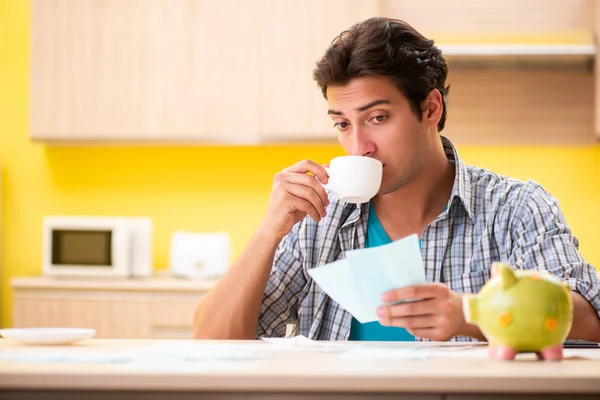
(447,373)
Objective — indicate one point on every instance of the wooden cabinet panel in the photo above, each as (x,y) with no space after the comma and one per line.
(230,71)
(492,15)
(139,70)
(174,314)
(514,106)
(110,319)
(525,99)
(153,308)
(294,35)
(24,311)
(172,319)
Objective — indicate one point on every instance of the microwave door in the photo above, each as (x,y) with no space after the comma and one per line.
(87,252)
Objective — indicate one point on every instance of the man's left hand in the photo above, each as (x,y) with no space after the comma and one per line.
(437,315)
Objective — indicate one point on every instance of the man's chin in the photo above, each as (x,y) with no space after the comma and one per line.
(389,188)
(386,190)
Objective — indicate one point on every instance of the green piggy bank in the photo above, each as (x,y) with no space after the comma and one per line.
(522,311)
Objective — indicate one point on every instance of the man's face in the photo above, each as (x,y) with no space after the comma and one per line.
(374,119)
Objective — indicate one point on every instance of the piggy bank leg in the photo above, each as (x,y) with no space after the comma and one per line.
(552,353)
(502,352)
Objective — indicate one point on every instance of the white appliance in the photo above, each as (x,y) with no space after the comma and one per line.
(97,246)
(197,255)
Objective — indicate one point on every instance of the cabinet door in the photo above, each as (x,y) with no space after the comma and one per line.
(118,319)
(294,35)
(139,70)
(500,16)
(172,316)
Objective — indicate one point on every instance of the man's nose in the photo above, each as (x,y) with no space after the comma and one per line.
(362,145)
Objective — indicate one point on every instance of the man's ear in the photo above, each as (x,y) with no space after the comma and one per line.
(433,107)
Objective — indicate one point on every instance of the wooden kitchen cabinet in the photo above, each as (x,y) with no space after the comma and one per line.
(294,35)
(128,308)
(144,70)
(506,16)
(217,71)
(240,72)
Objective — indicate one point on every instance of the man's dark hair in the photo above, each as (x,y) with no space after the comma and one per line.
(388,47)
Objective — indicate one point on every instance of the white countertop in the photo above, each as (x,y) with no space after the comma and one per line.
(446,369)
(154,283)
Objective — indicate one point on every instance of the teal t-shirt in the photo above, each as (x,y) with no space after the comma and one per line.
(374,331)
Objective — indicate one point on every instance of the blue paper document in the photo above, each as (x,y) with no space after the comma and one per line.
(357,282)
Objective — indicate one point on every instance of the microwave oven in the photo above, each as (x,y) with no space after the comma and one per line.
(86,246)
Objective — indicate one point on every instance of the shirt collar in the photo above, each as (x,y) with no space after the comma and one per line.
(462,185)
(461,189)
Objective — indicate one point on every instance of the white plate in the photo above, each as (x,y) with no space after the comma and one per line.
(48,335)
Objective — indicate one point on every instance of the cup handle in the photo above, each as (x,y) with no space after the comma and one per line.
(328,184)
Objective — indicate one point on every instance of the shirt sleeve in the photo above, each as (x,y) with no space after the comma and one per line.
(542,240)
(286,282)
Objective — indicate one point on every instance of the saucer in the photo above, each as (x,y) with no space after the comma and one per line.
(50,336)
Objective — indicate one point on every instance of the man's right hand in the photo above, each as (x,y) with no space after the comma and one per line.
(294,195)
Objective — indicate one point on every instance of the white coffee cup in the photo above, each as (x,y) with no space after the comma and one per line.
(354,179)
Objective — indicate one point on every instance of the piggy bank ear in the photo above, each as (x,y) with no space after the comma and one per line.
(496,266)
(506,274)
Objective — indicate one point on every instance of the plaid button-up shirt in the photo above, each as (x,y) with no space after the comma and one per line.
(488,218)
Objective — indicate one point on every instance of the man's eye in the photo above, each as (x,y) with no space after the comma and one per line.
(341,125)
(379,118)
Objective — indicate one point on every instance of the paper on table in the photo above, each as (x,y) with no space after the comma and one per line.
(299,340)
(384,353)
(300,343)
(174,366)
(168,354)
(79,358)
(357,282)
(191,351)
(459,351)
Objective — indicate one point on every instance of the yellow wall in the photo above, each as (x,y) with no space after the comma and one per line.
(200,188)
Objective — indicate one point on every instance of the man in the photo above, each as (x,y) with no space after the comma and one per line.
(385,87)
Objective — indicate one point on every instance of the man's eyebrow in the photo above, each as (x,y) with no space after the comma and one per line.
(372,104)
(362,108)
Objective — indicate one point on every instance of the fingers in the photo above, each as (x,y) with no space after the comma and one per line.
(431,334)
(299,204)
(309,166)
(415,308)
(438,317)
(296,183)
(426,291)
(307,200)
(294,195)
(310,182)
(433,326)
(418,322)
